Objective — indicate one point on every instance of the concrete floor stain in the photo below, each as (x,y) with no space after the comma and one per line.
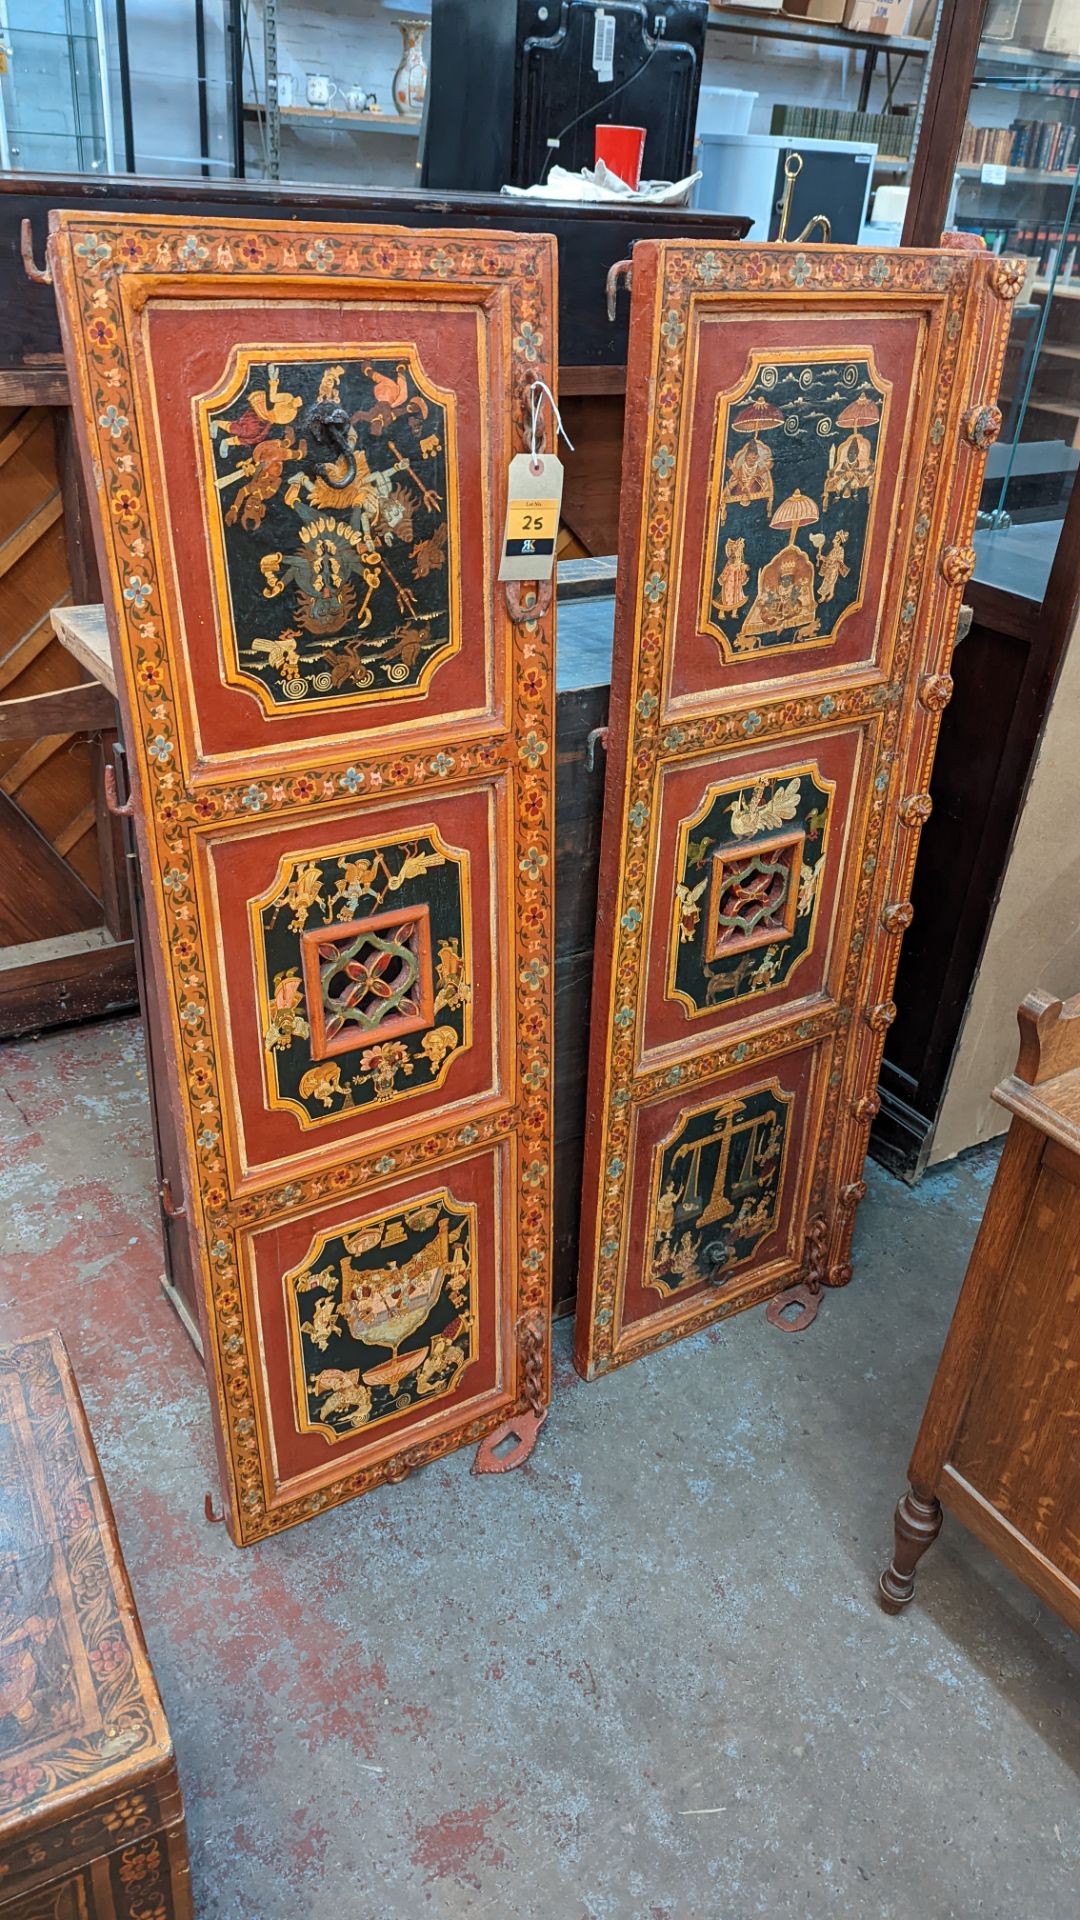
(645,1679)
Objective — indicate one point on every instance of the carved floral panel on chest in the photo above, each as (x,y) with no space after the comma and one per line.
(91,1817)
(300,438)
(804,448)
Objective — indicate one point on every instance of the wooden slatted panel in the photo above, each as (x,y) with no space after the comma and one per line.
(48,781)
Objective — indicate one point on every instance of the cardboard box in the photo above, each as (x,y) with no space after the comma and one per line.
(1002,18)
(878,16)
(747,6)
(830,12)
(1051,26)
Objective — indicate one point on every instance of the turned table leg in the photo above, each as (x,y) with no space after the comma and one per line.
(917,1525)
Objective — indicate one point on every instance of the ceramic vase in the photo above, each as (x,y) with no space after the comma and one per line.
(410,80)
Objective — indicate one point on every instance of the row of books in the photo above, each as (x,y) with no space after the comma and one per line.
(1046,146)
(1035,243)
(891,133)
(1042,244)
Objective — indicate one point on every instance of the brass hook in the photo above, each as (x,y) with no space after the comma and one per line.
(112,798)
(793,166)
(819,220)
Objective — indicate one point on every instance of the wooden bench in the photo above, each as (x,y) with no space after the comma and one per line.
(91,1819)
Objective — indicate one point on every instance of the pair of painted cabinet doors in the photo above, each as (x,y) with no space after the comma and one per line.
(341,733)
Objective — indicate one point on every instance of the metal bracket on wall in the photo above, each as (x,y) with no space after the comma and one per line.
(597,738)
(618,270)
(41,275)
(112,799)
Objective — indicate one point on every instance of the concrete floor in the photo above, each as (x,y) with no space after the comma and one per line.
(643,1679)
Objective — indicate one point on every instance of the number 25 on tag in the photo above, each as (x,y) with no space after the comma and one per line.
(533,499)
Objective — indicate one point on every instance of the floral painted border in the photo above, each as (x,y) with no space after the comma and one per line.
(93,261)
(973,295)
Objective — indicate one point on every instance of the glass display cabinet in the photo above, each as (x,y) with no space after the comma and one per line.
(1016,184)
(117,86)
(55,107)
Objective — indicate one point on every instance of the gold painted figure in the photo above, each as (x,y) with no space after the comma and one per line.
(688,907)
(731,581)
(785,592)
(851,463)
(750,472)
(831,565)
(765,811)
(287,1020)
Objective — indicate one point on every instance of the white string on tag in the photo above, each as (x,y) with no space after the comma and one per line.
(537,392)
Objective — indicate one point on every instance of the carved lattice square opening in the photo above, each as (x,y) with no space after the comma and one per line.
(753,894)
(368,979)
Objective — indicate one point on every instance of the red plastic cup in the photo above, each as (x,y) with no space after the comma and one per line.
(622,149)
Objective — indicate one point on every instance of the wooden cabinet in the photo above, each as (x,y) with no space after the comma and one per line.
(339,728)
(997,1445)
(805,440)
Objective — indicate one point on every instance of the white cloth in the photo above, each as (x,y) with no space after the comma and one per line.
(599,183)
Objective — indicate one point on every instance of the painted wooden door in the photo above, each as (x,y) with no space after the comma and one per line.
(298,438)
(803,457)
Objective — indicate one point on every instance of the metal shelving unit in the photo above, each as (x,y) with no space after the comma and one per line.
(817,33)
(342,118)
(873,46)
(271,116)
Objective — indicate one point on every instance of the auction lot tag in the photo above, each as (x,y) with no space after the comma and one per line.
(533,499)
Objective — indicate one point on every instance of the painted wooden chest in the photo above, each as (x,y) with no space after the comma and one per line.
(91,1819)
(805,441)
(340,731)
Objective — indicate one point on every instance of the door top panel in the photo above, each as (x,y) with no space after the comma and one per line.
(303,437)
(791,494)
(327,585)
(802,404)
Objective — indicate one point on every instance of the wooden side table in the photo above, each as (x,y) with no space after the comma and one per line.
(998,1441)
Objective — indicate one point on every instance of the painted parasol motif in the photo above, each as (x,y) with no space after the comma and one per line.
(798,510)
(757,418)
(860,413)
